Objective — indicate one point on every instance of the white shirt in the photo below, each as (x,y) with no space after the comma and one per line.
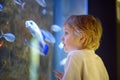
(84,65)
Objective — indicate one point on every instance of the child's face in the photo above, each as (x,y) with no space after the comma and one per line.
(70,40)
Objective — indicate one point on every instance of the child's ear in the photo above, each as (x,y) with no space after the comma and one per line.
(83,37)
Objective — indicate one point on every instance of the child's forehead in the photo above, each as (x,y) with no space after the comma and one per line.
(72,29)
(68,28)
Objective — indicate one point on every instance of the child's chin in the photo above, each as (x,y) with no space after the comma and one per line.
(66,51)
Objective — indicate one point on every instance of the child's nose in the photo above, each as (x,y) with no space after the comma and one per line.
(62,38)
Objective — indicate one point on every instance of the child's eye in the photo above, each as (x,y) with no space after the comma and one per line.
(65,33)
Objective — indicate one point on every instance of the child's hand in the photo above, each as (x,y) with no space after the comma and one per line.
(58,75)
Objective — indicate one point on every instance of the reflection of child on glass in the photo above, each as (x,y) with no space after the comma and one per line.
(82,35)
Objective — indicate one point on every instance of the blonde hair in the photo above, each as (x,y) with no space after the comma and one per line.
(90,25)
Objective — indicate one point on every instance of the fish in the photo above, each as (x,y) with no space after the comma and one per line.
(1,7)
(36,33)
(19,2)
(44,11)
(61,45)
(63,61)
(41,3)
(47,36)
(1,43)
(55,28)
(8,36)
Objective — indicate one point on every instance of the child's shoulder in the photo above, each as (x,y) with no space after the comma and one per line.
(82,54)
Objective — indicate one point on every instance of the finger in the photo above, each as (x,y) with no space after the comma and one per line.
(58,77)
(56,71)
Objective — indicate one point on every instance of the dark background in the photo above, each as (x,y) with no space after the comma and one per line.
(105,10)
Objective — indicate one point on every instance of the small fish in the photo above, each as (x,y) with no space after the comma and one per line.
(1,43)
(44,11)
(36,32)
(19,2)
(63,61)
(55,28)
(8,36)
(41,3)
(61,45)
(47,36)
(1,7)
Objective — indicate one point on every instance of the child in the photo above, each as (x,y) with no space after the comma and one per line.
(82,35)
